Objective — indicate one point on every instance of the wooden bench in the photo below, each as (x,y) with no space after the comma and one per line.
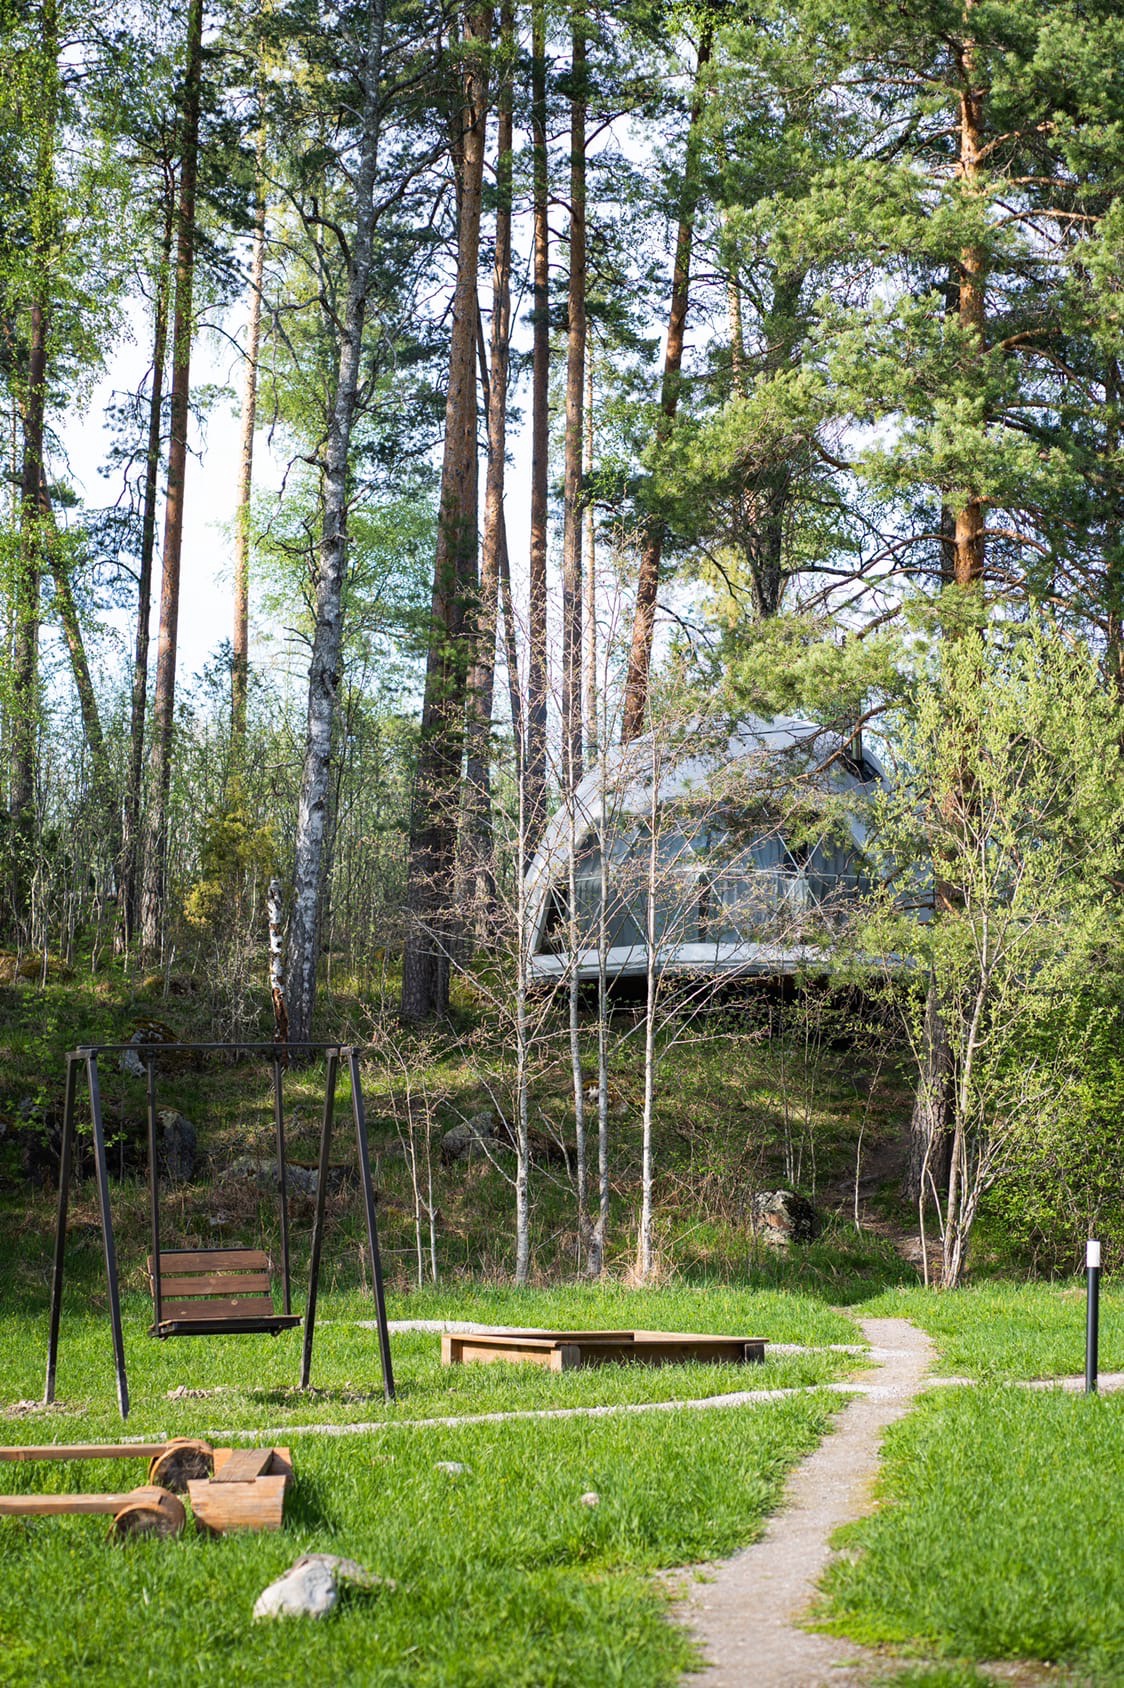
(214,1291)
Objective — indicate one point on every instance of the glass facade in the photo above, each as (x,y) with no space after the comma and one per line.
(712,885)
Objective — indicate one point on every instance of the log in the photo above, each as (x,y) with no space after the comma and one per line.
(182,1461)
(150,1511)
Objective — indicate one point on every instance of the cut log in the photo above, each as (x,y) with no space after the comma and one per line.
(150,1511)
(181,1462)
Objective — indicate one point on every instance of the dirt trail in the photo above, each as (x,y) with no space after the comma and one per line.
(747,1618)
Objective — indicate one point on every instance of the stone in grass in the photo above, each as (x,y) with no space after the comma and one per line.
(453,1468)
(310,1588)
(591,1498)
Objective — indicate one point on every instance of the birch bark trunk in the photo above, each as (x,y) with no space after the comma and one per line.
(240,667)
(327,640)
(130,837)
(534,757)
(434,926)
(648,580)
(160,757)
(575,399)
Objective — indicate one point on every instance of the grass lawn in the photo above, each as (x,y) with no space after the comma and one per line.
(503,1575)
(994,1330)
(1001,1536)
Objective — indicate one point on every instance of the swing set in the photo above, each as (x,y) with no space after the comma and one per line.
(213,1291)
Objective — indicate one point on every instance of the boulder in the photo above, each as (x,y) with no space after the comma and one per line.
(301,1179)
(178,1143)
(479,1135)
(310,1588)
(305,1591)
(781,1217)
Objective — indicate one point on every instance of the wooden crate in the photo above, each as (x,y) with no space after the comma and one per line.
(565,1350)
(247,1491)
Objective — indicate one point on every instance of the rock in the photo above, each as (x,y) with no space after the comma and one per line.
(305,1591)
(591,1498)
(475,1136)
(347,1571)
(178,1141)
(301,1180)
(781,1217)
(251,1169)
(310,1588)
(453,1468)
(147,1031)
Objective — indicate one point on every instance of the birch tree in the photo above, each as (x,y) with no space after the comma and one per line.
(324,671)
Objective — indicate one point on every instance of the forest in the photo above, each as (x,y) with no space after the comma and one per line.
(604,377)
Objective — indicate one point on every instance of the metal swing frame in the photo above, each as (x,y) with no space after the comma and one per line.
(86,1058)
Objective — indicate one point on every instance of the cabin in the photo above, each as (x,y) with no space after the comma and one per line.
(742,849)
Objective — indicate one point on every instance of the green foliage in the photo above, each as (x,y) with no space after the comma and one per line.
(998,1537)
(236,860)
(1004,825)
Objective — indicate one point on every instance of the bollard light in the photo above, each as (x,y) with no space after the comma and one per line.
(1092,1313)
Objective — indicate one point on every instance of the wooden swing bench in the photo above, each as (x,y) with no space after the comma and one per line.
(214,1292)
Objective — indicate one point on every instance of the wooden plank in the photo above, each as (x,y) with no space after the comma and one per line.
(55,1506)
(477,1351)
(280,1464)
(516,1338)
(258,1505)
(244,1465)
(226,1307)
(674,1351)
(212,1260)
(86,1450)
(229,1283)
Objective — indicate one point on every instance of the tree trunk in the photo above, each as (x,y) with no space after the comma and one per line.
(1113,532)
(42,213)
(589,576)
(436,805)
(130,837)
(575,399)
(534,757)
(76,648)
(240,666)
(160,756)
(25,605)
(970,527)
(651,554)
(481,683)
(324,669)
(929,1125)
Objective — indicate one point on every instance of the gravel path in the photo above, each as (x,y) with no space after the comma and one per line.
(747,1618)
